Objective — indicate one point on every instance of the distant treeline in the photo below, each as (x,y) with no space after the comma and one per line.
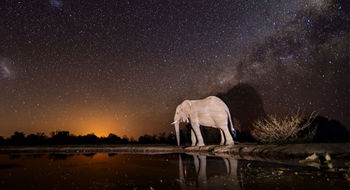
(327,131)
(65,138)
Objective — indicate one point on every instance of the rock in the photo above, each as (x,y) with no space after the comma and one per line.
(312,160)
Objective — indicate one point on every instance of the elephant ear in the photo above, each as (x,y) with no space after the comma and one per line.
(186,106)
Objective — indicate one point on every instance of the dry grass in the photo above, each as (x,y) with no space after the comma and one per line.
(284,130)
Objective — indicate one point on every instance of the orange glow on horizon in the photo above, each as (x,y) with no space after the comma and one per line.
(101,126)
(81,120)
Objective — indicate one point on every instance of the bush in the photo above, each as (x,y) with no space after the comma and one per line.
(289,129)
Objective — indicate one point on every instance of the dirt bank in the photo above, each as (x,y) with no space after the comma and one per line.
(243,149)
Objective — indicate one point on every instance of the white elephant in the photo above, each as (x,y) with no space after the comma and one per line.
(210,112)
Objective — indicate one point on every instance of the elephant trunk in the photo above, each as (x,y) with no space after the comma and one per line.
(177,131)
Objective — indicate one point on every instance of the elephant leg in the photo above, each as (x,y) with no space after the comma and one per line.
(222,138)
(181,171)
(198,133)
(196,163)
(202,174)
(228,137)
(227,164)
(233,167)
(193,138)
(233,173)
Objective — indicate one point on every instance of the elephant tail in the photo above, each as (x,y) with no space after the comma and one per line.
(233,130)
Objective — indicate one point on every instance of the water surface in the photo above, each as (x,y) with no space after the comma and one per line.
(162,171)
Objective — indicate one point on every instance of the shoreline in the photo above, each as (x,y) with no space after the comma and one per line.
(291,154)
(241,149)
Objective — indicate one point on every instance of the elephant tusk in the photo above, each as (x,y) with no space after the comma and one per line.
(173,123)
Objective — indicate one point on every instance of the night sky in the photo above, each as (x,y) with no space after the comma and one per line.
(122,67)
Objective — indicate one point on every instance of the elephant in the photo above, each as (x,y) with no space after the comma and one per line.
(210,112)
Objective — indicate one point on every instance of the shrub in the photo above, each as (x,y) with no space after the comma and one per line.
(289,129)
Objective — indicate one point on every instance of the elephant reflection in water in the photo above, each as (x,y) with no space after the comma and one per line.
(214,179)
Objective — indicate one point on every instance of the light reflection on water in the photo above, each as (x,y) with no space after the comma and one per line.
(166,171)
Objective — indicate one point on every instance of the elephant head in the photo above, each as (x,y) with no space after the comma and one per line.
(182,114)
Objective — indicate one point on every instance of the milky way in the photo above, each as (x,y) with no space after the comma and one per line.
(6,70)
(123,66)
(55,3)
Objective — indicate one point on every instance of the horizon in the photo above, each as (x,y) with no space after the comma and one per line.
(106,134)
(49,134)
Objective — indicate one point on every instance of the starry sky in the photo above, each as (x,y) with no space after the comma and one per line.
(123,66)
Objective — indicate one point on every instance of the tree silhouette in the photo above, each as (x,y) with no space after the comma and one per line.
(125,140)
(329,130)
(61,137)
(145,139)
(245,105)
(2,140)
(171,139)
(113,139)
(132,140)
(17,138)
(65,138)
(36,139)
(88,139)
